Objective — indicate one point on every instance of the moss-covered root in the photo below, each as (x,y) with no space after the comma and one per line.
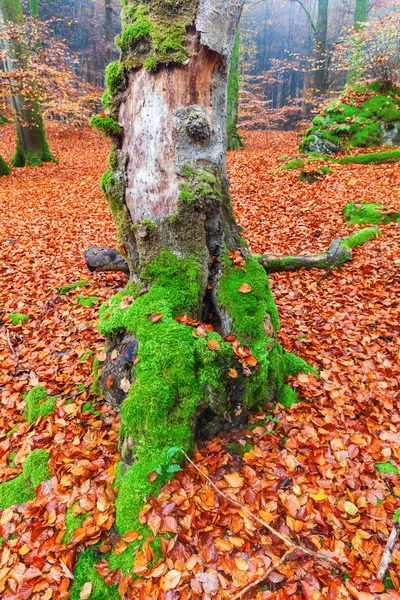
(38,404)
(338,254)
(23,487)
(367,213)
(4,168)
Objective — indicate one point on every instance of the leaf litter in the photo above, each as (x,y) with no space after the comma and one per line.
(310,471)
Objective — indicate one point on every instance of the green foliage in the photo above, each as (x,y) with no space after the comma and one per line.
(64,289)
(88,300)
(106,124)
(386,467)
(23,487)
(294,163)
(18,318)
(38,404)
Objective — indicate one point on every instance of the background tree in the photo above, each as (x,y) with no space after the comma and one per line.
(32,147)
(234,140)
(321,34)
(360,19)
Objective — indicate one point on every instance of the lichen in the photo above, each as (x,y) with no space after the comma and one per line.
(38,404)
(23,487)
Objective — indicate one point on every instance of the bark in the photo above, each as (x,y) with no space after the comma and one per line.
(360,18)
(187,352)
(320,75)
(4,168)
(234,139)
(338,254)
(108,29)
(32,147)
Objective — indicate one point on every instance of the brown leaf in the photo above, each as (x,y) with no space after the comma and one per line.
(245,288)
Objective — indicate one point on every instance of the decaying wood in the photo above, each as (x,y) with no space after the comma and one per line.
(387,555)
(105,259)
(338,254)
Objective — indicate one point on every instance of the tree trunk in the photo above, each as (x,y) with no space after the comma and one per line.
(108,30)
(4,168)
(360,18)
(320,75)
(234,139)
(34,8)
(32,147)
(191,340)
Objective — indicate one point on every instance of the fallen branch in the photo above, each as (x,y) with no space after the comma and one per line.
(338,254)
(286,540)
(105,259)
(263,577)
(387,555)
(10,344)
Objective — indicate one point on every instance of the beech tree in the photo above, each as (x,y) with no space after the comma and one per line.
(191,340)
(234,139)
(32,147)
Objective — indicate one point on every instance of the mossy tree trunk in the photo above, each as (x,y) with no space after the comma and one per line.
(360,19)
(232,115)
(4,168)
(191,340)
(32,147)
(321,33)
(108,29)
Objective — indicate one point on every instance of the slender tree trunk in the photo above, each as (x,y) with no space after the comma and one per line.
(320,75)
(34,8)
(32,146)
(360,18)
(234,139)
(108,29)
(191,340)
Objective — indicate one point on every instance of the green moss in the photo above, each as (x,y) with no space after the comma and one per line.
(88,300)
(368,213)
(386,467)
(106,124)
(72,522)
(95,387)
(38,404)
(201,186)
(84,571)
(87,408)
(23,487)
(141,28)
(4,168)
(239,449)
(11,458)
(64,289)
(345,120)
(294,365)
(113,186)
(360,237)
(294,163)
(373,158)
(18,318)
(287,396)
(105,99)
(115,77)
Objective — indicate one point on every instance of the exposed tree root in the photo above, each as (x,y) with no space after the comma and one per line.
(338,254)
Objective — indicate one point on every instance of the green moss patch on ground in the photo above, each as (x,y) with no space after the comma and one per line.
(368,213)
(38,404)
(23,487)
(88,300)
(374,158)
(64,289)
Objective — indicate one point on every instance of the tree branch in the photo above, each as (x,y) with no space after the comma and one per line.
(339,253)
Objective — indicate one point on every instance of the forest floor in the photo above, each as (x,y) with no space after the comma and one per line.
(309,471)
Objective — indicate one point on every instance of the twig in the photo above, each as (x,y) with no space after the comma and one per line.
(263,577)
(286,540)
(10,344)
(387,555)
